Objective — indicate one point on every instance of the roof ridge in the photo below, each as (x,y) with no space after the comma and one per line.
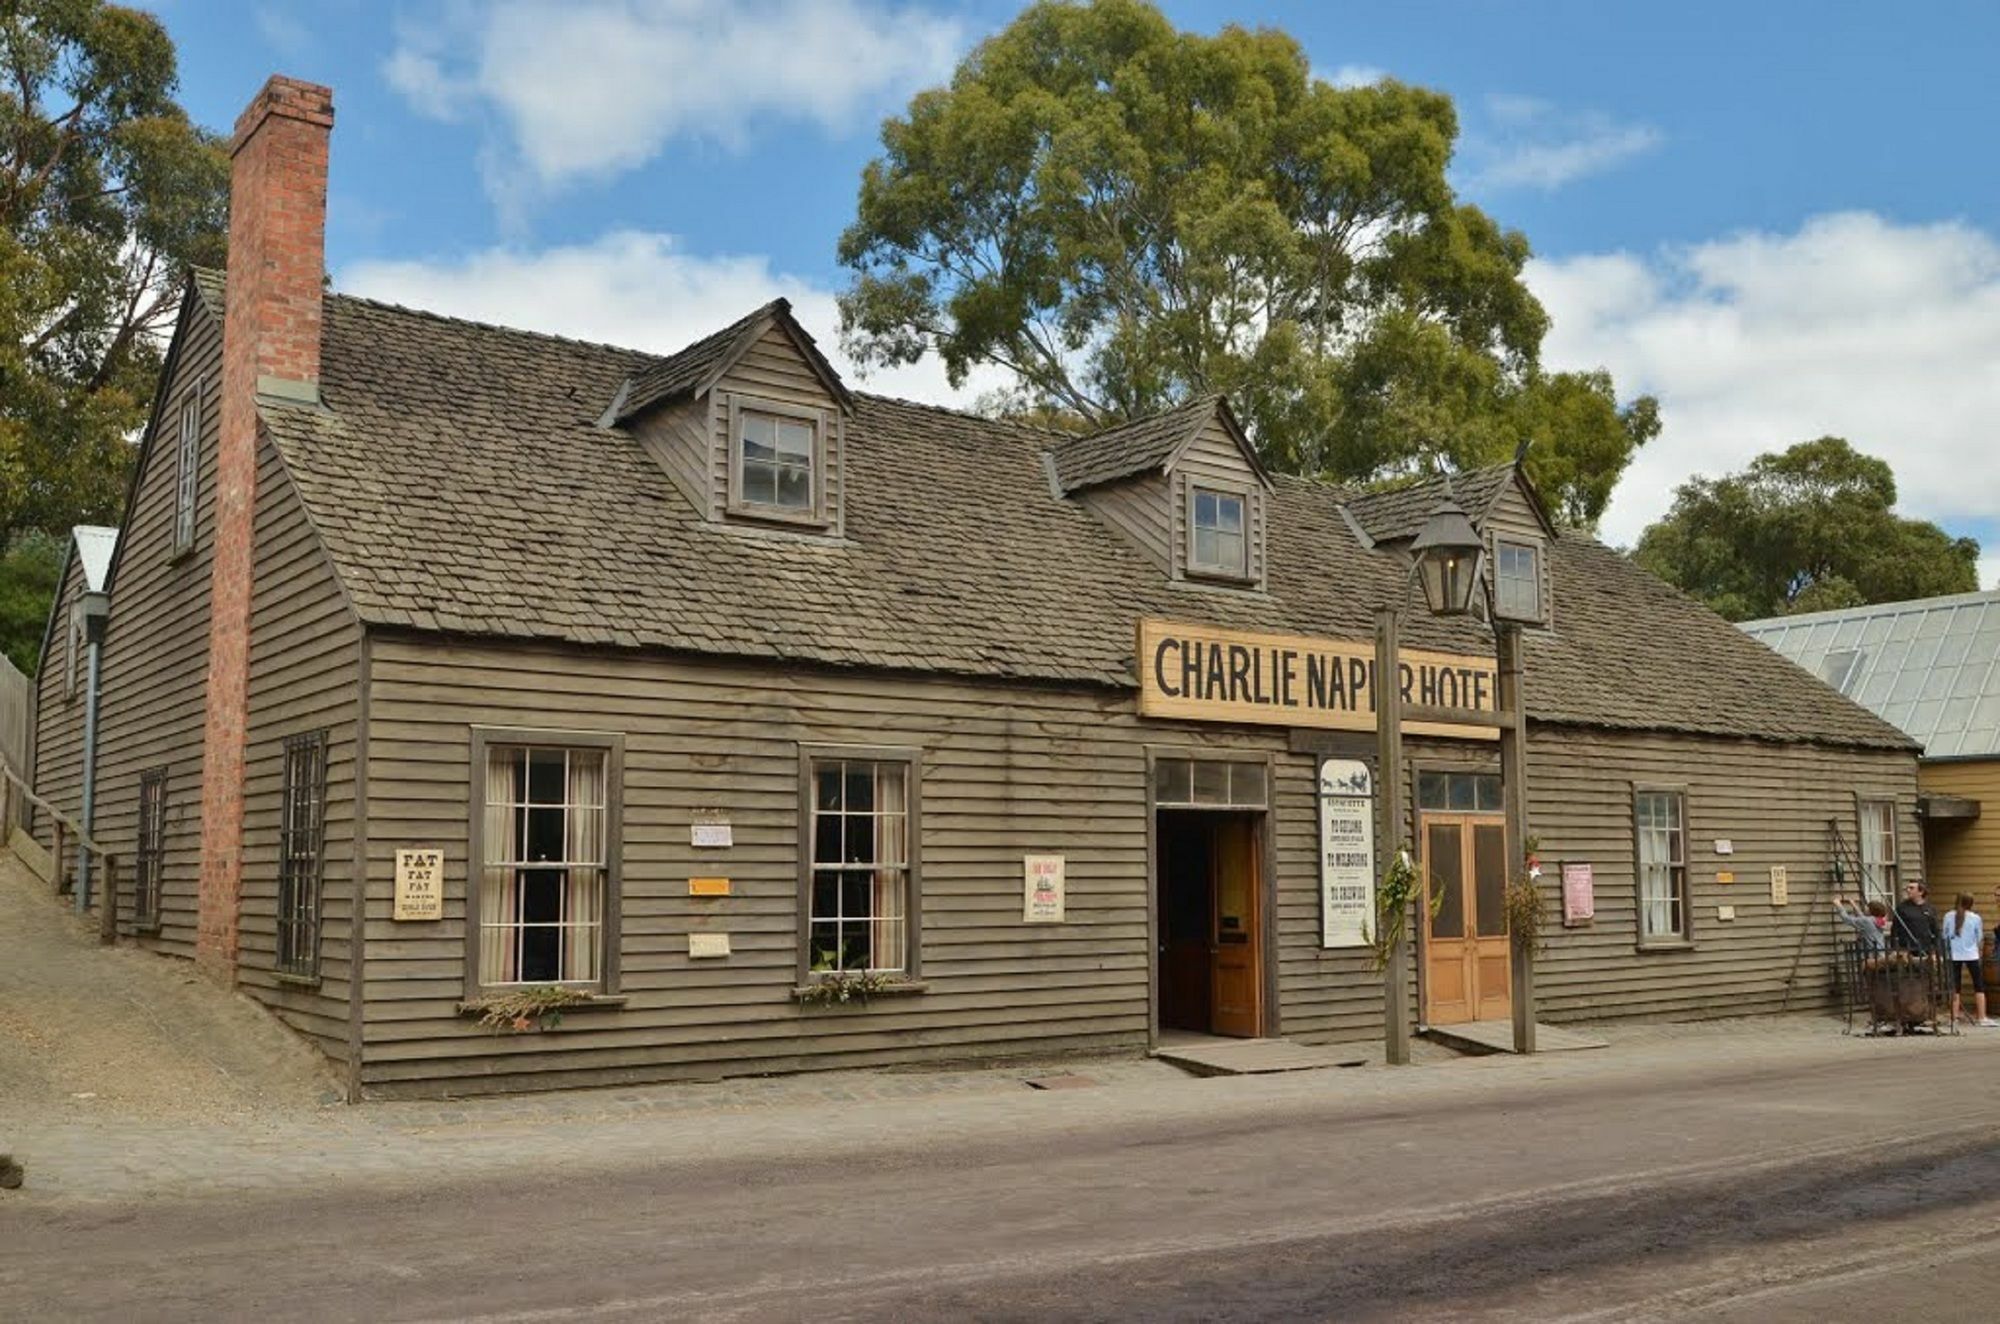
(549,337)
(970,416)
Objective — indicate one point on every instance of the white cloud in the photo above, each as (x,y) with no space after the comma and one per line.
(1527,142)
(1352,75)
(1989,570)
(636,289)
(591,88)
(283,30)
(1854,326)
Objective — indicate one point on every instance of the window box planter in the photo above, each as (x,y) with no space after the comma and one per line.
(536,1007)
(833,990)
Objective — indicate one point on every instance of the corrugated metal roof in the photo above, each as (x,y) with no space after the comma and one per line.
(1931,667)
(94,545)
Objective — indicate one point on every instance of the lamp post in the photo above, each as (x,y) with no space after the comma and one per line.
(1447,557)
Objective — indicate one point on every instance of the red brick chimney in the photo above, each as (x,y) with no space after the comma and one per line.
(270,348)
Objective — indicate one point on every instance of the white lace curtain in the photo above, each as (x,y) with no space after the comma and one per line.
(510,799)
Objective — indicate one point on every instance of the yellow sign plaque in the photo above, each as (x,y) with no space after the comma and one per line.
(708,887)
(419,884)
(1204,674)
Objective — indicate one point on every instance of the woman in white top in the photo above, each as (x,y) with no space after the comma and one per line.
(1962,933)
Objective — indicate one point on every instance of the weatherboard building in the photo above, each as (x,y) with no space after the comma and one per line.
(446,659)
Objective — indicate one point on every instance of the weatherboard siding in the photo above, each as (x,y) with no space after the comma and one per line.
(1138,508)
(1965,856)
(155,662)
(1774,803)
(58,745)
(304,661)
(771,369)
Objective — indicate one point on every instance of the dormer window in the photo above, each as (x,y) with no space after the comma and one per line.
(1219,542)
(1517,580)
(775,462)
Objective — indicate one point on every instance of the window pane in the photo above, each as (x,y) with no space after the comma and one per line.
(860,783)
(1431,791)
(793,488)
(760,437)
(760,483)
(1489,875)
(1173,781)
(1445,867)
(827,778)
(795,440)
(1487,793)
(1204,510)
(1206,551)
(1246,785)
(1211,783)
(1464,796)
(1229,514)
(1228,553)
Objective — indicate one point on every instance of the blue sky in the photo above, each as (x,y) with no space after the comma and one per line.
(1779,217)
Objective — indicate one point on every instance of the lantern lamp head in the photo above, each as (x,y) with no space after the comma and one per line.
(1449,554)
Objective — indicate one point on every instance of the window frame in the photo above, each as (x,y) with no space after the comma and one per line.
(612,744)
(149,852)
(1684,939)
(1194,567)
(912,759)
(814,513)
(1539,553)
(301,858)
(1894,863)
(187,471)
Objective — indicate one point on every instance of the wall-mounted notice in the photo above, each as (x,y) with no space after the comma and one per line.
(1346,853)
(1725,876)
(419,884)
(708,944)
(1724,846)
(1781,885)
(1042,887)
(1725,912)
(708,887)
(1579,894)
(711,833)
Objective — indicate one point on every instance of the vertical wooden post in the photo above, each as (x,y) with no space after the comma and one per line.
(58,857)
(107,915)
(1389,789)
(1514,775)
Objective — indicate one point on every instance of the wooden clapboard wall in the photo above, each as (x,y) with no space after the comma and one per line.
(1965,856)
(57,771)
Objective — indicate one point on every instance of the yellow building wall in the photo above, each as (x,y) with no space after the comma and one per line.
(1964,856)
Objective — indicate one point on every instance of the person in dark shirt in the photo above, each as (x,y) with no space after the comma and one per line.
(1915,927)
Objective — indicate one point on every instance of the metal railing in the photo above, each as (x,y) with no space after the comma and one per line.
(1894,992)
(14,790)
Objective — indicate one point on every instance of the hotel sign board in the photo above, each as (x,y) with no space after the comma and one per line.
(1204,674)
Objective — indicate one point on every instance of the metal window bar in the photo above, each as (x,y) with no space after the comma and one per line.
(149,857)
(301,853)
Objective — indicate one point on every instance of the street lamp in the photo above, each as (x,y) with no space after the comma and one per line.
(1448,558)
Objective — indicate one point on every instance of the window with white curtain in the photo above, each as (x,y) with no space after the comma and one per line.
(861,918)
(1878,851)
(545,867)
(1661,821)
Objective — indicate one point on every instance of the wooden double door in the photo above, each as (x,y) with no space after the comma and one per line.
(1466,951)
(1211,922)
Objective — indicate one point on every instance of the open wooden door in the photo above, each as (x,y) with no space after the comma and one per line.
(1238,981)
(1466,951)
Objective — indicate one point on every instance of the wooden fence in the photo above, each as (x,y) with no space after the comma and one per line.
(17,732)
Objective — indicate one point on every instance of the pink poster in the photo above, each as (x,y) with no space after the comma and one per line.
(1579,894)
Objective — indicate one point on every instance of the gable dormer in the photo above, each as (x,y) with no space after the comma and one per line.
(750,423)
(1185,487)
(1510,516)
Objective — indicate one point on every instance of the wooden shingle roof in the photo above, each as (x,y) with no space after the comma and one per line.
(461,483)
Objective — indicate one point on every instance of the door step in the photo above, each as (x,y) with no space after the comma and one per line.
(1480,1037)
(1256,1057)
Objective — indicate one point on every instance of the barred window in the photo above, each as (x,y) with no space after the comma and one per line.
(301,854)
(1879,873)
(544,880)
(1663,878)
(187,468)
(860,916)
(150,854)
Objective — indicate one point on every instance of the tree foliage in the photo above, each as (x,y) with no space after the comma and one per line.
(29,574)
(1812,528)
(1122,215)
(107,194)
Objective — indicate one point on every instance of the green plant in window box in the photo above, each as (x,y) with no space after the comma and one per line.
(1524,903)
(530,1007)
(830,986)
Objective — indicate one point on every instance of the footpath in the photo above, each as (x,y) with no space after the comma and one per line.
(125,1077)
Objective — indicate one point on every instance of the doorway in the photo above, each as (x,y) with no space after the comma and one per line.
(1210,904)
(1467,974)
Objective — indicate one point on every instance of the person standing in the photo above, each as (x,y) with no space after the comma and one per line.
(1915,926)
(1962,935)
(1867,924)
